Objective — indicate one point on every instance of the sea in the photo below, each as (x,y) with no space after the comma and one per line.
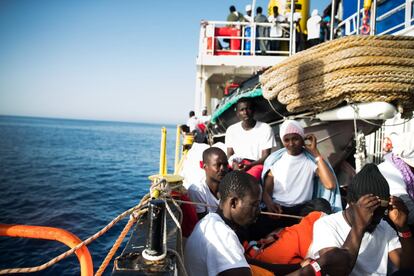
(76,175)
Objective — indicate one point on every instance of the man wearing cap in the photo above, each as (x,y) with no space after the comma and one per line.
(248,16)
(361,229)
(398,169)
(289,173)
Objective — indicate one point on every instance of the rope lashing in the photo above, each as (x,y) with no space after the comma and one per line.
(262,212)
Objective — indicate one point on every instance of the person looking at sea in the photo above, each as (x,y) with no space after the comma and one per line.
(215,166)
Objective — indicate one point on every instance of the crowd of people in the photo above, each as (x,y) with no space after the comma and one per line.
(317,28)
(305,230)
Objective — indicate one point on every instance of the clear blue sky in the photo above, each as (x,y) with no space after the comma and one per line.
(119,60)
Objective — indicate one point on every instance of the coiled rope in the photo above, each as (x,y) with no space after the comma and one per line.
(352,69)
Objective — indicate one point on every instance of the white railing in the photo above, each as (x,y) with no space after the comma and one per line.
(351,25)
(243,39)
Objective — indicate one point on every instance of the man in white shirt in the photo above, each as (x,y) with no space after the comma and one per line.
(276,31)
(248,142)
(192,121)
(214,248)
(248,16)
(313,26)
(215,165)
(361,229)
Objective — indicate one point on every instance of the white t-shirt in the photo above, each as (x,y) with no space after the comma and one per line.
(314,27)
(201,193)
(276,30)
(293,179)
(213,247)
(205,119)
(332,231)
(250,143)
(192,123)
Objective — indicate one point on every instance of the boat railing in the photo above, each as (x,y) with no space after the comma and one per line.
(352,24)
(243,39)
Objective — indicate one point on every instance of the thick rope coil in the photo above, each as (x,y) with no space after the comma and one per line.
(358,68)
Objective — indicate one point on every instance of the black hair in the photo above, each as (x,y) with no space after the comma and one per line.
(238,183)
(185,128)
(210,151)
(246,100)
(368,181)
(317,204)
(259,10)
(191,114)
(232,8)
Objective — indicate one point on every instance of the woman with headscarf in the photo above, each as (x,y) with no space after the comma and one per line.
(289,174)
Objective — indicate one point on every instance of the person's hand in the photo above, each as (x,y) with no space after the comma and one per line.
(245,167)
(274,208)
(398,212)
(312,145)
(363,211)
(335,261)
(236,166)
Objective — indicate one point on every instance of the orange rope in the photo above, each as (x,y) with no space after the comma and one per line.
(118,242)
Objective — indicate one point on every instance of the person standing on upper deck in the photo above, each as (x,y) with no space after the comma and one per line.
(248,16)
(314,29)
(234,15)
(276,31)
(261,31)
(248,142)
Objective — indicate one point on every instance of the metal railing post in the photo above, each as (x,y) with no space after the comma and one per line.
(358,19)
(408,14)
(331,35)
(373,17)
(292,11)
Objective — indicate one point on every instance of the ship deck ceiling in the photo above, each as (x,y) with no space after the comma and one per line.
(237,61)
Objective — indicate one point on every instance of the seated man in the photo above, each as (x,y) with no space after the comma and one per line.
(214,248)
(361,229)
(248,142)
(289,173)
(215,166)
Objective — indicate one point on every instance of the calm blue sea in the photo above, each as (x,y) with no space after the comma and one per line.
(72,174)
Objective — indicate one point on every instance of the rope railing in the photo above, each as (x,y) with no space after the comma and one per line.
(71,251)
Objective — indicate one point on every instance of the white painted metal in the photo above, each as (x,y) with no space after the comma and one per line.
(331,31)
(366,111)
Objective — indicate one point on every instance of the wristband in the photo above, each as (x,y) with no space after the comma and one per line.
(405,235)
(316,268)
(317,159)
